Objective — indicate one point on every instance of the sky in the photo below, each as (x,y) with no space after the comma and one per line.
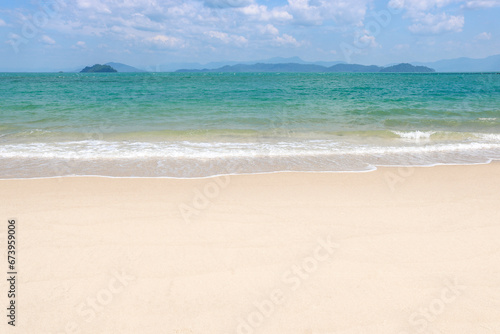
(64,34)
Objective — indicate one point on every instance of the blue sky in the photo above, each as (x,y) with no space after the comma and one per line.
(62,34)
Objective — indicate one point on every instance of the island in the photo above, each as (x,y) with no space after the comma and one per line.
(312,68)
(98,68)
(407,68)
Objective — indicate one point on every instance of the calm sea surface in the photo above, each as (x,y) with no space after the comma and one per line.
(193,125)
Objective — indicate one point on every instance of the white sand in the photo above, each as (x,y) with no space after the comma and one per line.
(392,251)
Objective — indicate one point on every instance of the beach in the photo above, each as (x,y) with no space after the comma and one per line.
(250,167)
(396,250)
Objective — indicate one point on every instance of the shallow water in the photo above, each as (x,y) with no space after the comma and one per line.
(192,125)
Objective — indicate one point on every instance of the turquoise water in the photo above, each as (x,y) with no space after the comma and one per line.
(191,125)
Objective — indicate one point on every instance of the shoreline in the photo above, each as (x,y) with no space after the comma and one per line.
(316,253)
(372,169)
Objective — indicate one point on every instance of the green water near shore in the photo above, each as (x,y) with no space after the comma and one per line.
(209,121)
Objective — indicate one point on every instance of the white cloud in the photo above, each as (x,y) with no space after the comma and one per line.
(227,38)
(262,13)
(429,17)
(142,22)
(80,44)
(484,36)
(286,40)
(482,4)
(13,39)
(47,40)
(2,23)
(369,41)
(269,29)
(436,24)
(94,5)
(314,12)
(198,25)
(227,3)
(219,35)
(152,23)
(305,13)
(165,42)
(417,6)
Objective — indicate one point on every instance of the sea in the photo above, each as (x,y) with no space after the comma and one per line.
(190,125)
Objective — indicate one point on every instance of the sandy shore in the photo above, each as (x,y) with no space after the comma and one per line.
(409,250)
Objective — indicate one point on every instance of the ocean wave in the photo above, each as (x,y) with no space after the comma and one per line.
(95,149)
(495,137)
(414,135)
(187,159)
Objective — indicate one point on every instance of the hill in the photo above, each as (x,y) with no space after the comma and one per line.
(354,68)
(463,64)
(407,68)
(260,67)
(312,68)
(172,67)
(98,68)
(124,68)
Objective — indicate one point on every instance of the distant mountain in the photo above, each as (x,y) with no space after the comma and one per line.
(282,60)
(123,67)
(311,68)
(407,68)
(488,64)
(295,60)
(328,63)
(354,68)
(260,67)
(172,67)
(119,67)
(98,68)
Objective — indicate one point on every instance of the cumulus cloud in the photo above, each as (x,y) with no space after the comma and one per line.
(429,16)
(369,41)
(165,42)
(47,40)
(227,3)
(80,45)
(2,23)
(13,38)
(269,29)
(417,6)
(315,12)
(286,40)
(200,25)
(436,24)
(475,4)
(484,36)
(142,22)
(226,38)
(94,5)
(262,13)
(305,13)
